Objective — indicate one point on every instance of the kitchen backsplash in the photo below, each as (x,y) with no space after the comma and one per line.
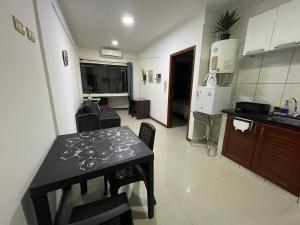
(271,78)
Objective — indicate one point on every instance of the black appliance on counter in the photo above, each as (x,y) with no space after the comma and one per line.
(251,107)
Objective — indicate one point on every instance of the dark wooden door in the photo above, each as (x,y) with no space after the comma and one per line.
(277,157)
(240,146)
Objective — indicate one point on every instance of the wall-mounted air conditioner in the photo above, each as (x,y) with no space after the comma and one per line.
(111,53)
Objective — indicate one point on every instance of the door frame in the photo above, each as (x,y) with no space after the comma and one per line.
(171,85)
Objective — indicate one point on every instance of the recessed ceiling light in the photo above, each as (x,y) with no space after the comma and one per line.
(114,42)
(128,20)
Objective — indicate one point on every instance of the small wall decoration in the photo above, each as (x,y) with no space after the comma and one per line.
(65,57)
(150,76)
(158,77)
(144,76)
(30,35)
(19,25)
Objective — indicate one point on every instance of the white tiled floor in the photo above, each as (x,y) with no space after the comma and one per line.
(194,189)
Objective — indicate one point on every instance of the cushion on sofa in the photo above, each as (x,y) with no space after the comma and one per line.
(109,119)
(107,116)
(80,111)
(93,108)
(90,107)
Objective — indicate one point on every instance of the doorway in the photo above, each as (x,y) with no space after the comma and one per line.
(180,87)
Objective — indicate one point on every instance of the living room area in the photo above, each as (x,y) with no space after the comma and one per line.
(65,79)
(98,121)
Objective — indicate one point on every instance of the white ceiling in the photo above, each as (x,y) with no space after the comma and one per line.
(94,23)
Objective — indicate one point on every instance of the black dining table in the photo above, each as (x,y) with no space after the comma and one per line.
(74,158)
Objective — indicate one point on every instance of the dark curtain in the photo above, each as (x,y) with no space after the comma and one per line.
(130,86)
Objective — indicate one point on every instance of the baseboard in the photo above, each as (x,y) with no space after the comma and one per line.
(159,122)
(60,207)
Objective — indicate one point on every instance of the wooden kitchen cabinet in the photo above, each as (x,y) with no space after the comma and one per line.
(240,146)
(270,151)
(277,157)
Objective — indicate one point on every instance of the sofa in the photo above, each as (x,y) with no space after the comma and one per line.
(107,116)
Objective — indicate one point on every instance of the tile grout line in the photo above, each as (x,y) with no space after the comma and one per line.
(207,184)
(271,83)
(198,188)
(236,83)
(264,181)
(161,183)
(279,214)
(177,203)
(184,213)
(259,74)
(288,73)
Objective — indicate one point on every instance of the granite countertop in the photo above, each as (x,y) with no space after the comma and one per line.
(283,121)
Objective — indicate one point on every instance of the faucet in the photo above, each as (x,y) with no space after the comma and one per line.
(295,113)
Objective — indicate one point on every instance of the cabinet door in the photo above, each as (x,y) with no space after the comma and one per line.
(277,157)
(259,32)
(286,31)
(239,146)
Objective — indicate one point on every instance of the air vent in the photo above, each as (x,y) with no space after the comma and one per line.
(111,53)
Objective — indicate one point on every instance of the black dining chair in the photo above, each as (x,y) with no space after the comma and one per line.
(87,122)
(135,173)
(110,211)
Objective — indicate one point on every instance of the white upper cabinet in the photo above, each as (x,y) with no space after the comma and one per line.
(287,27)
(259,32)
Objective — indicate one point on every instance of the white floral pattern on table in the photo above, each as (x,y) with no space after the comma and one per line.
(93,148)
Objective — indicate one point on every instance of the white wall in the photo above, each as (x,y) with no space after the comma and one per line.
(27,129)
(64,81)
(94,54)
(157,57)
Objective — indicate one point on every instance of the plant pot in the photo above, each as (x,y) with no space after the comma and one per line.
(225,36)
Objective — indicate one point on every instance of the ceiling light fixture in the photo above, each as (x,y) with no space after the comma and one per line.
(128,20)
(114,42)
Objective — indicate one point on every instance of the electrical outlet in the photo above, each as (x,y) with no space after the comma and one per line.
(30,35)
(18,26)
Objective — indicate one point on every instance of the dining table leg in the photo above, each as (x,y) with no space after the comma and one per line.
(42,210)
(150,188)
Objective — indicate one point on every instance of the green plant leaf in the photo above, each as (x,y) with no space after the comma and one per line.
(226,20)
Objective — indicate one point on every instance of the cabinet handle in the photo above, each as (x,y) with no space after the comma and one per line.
(290,44)
(255,129)
(262,131)
(255,51)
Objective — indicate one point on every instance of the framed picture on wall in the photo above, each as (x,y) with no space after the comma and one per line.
(65,57)
(150,76)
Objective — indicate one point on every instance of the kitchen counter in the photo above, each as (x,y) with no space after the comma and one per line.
(282,121)
(270,148)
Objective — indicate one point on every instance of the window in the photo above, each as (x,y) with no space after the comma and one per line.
(103,78)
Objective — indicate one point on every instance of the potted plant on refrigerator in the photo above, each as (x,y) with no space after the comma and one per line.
(225,22)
